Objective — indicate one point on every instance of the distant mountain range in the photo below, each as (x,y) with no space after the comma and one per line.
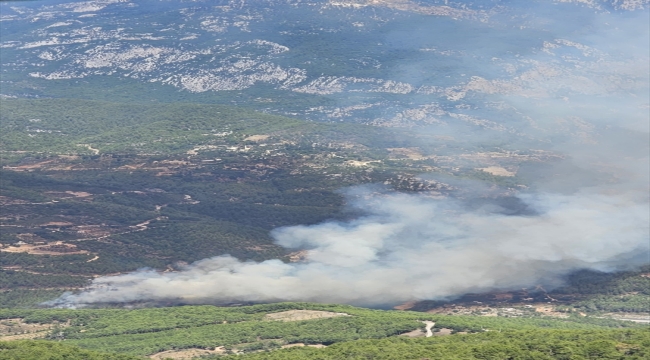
(388,63)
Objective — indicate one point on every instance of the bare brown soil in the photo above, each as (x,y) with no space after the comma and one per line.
(426,332)
(28,336)
(298,256)
(186,353)
(257,138)
(497,170)
(319,346)
(298,315)
(409,153)
(413,334)
(521,303)
(356,163)
(643,318)
(67,194)
(406,305)
(52,248)
(549,310)
(28,167)
(16,329)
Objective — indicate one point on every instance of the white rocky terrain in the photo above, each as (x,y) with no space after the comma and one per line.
(283,47)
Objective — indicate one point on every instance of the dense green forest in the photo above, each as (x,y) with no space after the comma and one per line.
(65,126)
(48,350)
(602,283)
(249,328)
(22,298)
(616,303)
(18,279)
(626,291)
(540,344)
(493,345)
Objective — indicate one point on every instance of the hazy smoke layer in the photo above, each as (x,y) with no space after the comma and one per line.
(590,211)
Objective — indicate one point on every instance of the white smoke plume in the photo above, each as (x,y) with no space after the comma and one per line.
(410,248)
(415,247)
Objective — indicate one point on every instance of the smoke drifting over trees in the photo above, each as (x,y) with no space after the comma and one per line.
(408,248)
(589,210)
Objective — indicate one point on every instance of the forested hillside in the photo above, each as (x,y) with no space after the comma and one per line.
(267,327)
(525,345)
(49,350)
(94,187)
(60,126)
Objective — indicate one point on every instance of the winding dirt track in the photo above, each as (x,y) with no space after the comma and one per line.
(430,325)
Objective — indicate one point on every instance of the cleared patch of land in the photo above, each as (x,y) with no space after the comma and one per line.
(356,163)
(426,332)
(497,171)
(52,248)
(298,315)
(187,353)
(413,334)
(634,317)
(17,329)
(319,346)
(257,138)
(409,153)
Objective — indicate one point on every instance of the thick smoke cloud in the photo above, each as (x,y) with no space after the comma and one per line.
(587,211)
(409,248)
